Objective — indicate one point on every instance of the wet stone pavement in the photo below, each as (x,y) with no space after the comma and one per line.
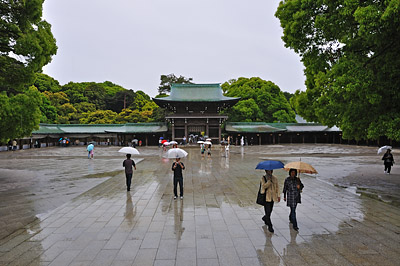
(59,208)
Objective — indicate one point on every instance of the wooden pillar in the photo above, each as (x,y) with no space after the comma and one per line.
(303,138)
(186,132)
(147,140)
(173,131)
(207,130)
(219,133)
(259,139)
(273,139)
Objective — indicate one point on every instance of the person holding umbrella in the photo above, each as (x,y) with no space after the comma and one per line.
(291,191)
(90,149)
(388,161)
(177,167)
(270,188)
(128,164)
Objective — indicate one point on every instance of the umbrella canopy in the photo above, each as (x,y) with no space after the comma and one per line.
(301,167)
(384,149)
(208,139)
(200,142)
(164,140)
(166,143)
(173,142)
(90,147)
(269,165)
(207,143)
(129,150)
(176,153)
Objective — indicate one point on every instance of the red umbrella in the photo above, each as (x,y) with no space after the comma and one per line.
(163,141)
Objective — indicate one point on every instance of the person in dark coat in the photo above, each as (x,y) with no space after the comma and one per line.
(128,164)
(388,161)
(291,194)
(177,167)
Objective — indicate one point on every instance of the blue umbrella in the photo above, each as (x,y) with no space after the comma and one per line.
(270,165)
(90,147)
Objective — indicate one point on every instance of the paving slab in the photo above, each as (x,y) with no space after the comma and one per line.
(60,208)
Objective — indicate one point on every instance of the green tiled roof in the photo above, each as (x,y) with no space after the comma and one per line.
(101,128)
(48,129)
(140,128)
(262,127)
(195,93)
(252,127)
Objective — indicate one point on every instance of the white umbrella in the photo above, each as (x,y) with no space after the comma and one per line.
(173,142)
(208,139)
(384,149)
(207,143)
(176,153)
(128,150)
(166,143)
(200,142)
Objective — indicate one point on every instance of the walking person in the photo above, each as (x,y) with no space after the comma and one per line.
(177,167)
(209,150)
(291,194)
(269,187)
(14,145)
(388,161)
(128,164)
(202,149)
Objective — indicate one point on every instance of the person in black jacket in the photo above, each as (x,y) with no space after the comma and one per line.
(177,167)
(291,191)
(388,161)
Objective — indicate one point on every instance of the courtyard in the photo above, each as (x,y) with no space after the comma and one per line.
(60,208)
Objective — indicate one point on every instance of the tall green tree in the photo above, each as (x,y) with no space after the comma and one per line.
(168,80)
(26,43)
(261,101)
(44,82)
(351,53)
(19,114)
(99,117)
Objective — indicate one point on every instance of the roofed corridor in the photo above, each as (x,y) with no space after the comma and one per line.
(85,216)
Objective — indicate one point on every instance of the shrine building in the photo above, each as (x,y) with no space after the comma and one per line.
(195,109)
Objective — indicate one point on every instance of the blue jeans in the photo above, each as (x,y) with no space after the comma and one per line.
(292,216)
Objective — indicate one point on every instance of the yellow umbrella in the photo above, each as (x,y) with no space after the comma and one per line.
(301,167)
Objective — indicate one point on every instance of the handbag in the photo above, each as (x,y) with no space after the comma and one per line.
(261,197)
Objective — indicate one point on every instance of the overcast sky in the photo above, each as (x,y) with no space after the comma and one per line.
(132,43)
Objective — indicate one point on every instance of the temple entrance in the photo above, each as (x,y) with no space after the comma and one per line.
(196,130)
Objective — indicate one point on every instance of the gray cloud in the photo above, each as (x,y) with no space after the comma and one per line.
(132,43)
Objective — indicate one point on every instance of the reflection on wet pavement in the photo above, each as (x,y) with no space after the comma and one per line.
(98,222)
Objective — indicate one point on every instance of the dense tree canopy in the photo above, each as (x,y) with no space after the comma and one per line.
(19,114)
(261,101)
(168,80)
(351,53)
(26,45)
